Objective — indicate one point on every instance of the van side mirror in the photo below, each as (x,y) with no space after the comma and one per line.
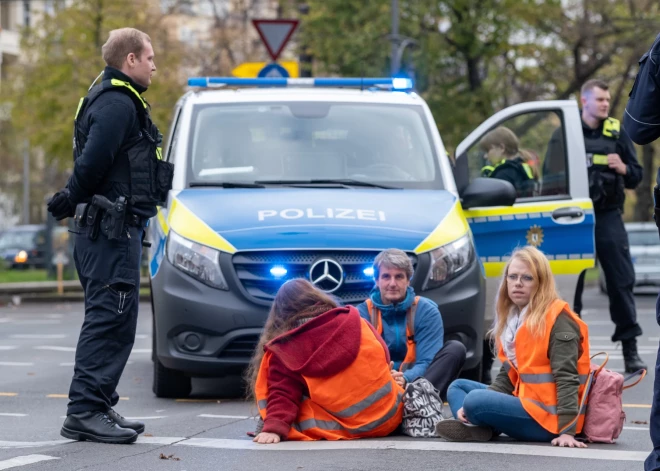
(488,192)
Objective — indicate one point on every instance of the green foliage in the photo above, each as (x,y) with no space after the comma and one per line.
(62,59)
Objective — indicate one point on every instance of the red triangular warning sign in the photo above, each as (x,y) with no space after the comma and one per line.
(275,34)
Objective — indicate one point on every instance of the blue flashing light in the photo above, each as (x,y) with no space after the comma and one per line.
(369,271)
(278,271)
(396,83)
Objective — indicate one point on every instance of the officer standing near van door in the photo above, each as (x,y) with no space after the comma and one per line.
(612,167)
(118,178)
(642,122)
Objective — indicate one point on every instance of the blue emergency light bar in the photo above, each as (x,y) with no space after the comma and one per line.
(396,83)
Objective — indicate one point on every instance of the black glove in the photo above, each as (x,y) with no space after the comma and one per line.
(60,206)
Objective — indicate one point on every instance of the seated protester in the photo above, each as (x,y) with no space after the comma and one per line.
(507,162)
(321,372)
(544,349)
(410,325)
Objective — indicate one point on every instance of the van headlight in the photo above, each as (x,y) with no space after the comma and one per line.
(199,261)
(448,261)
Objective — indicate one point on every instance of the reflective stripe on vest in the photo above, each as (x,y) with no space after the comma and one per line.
(599,159)
(533,380)
(121,83)
(612,128)
(489,169)
(337,407)
(377,321)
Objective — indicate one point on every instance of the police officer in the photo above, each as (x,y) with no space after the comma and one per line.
(116,183)
(613,166)
(642,122)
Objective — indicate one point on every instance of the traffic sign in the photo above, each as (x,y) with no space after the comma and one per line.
(273,70)
(252,69)
(275,34)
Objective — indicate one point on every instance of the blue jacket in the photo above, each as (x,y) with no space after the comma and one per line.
(429,331)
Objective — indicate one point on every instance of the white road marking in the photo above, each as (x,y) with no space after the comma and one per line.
(8,347)
(6,444)
(68,363)
(142,336)
(36,322)
(370,444)
(646,429)
(55,348)
(23,460)
(212,416)
(147,418)
(7,414)
(158,440)
(15,363)
(38,336)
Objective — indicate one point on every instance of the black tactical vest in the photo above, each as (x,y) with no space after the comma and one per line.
(149,177)
(606,187)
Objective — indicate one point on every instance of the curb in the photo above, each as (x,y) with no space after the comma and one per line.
(54,298)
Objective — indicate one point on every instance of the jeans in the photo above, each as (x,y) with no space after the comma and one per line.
(501,412)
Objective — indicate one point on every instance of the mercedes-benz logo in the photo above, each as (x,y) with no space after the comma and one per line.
(327,275)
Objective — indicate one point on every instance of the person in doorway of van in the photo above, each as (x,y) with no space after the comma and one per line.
(320,372)
(506,161)
(642,122)
(612,167)
(544,349)
(410,325)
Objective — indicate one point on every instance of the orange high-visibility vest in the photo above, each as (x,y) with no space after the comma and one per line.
(361,401)
(533,380)
(377,321)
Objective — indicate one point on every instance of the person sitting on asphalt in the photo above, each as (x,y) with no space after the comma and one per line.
(410,325)
(544,349)
(321,372)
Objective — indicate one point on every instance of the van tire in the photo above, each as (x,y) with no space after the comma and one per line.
(170,383)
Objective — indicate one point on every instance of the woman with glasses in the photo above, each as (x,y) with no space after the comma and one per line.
(544,350)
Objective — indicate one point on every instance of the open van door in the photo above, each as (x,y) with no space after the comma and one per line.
(556,216)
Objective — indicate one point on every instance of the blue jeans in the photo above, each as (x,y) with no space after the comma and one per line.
(501,412)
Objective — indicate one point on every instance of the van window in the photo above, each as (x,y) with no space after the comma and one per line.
(306,141)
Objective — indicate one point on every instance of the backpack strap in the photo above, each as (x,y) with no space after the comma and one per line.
(585,396)
(607,358)
(641,373)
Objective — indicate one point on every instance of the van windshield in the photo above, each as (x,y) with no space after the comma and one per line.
(307,141)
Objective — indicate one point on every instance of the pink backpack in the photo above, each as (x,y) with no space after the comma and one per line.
(604,419)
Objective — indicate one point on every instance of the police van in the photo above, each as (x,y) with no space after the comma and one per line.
(283,178)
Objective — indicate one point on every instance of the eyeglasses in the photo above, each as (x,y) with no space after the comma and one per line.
(525,279)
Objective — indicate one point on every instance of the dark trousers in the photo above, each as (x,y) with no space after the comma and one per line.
(613,251)
(652,463)
(109,271)
(446,366)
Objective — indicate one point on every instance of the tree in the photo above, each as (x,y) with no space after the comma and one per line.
(61,60)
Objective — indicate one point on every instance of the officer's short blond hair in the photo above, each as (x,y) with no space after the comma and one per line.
(121,43)
(593,83)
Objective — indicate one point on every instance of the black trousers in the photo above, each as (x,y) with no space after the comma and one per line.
(109,271)
(652,462)
(446,366)
(613,252)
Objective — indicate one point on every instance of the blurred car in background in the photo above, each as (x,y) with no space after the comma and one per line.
(645,252)
(25,246)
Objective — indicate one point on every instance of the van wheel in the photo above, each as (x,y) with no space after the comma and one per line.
(170,383)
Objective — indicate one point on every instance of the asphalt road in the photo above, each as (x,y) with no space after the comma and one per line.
(208,430)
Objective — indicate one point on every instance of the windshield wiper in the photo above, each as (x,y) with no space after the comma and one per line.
(227,184)
(337,181)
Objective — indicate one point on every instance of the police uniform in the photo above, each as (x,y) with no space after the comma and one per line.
(607,191)
(642,122)
(117,156)
(515,171)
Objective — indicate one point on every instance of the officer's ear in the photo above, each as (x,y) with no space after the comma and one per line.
(131,59)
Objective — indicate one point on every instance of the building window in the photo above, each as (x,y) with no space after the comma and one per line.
(26,13)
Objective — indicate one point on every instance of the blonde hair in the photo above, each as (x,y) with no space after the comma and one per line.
(121,43)
(506,138)
(543,294)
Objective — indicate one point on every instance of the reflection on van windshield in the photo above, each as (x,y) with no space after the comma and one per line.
(311,141)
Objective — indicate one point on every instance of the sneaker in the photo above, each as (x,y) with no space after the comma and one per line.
(454,430)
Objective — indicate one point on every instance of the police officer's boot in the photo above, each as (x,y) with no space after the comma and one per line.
(124,423)
(631,358)
(96,426)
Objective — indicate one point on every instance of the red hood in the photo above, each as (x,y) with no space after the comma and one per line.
(323,346)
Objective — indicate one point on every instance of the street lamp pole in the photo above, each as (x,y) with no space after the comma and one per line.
(395,56)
